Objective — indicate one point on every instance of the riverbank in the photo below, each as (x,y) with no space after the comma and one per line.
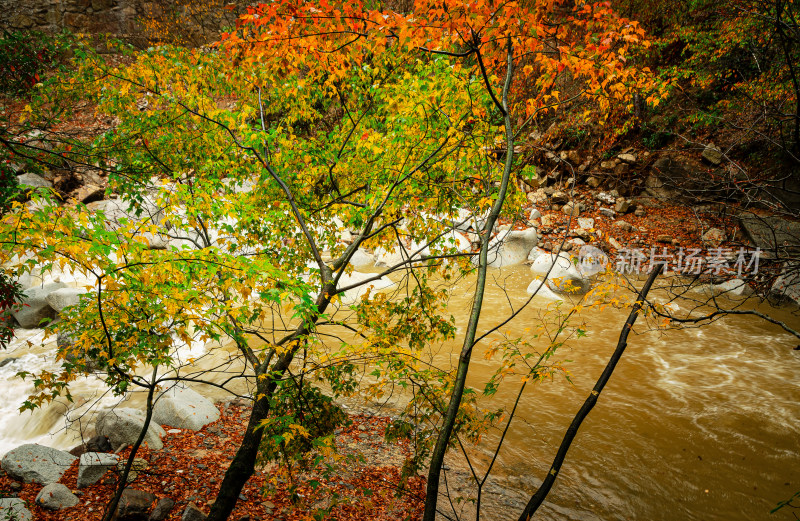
(191,466)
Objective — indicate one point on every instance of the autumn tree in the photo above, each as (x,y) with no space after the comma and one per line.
(251,178)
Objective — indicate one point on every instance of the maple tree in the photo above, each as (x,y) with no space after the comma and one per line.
(240,170)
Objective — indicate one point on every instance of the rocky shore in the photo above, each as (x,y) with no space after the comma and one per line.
(178,476)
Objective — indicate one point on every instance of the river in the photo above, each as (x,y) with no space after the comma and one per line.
(695,424)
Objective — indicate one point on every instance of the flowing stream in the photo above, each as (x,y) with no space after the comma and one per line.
(696,424)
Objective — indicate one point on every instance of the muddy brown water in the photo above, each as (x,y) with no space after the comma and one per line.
(696,424)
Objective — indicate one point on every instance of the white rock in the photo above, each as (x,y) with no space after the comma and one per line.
(563,275)
(585,223)
(123,425)
(591,260)
(543,290)
(352,295)
(64,297)
(185,409)
(34,306)
(511,248)
(733,288)
(361,258)
(535,253)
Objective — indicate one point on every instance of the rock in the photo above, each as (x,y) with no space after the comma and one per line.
(93,466)
(622,168)
(361,258)
(7,361)
(623,225)
(614,243)
(664,239)
(733,288)
(192,513)
(184,409)
(162,509)
(581,233)
(592,182)
(787,285)
(712,154)
(605,198)
(13,509)
(89,193)
(541,290)
(535,214)
(33,463)
(585,223)
(352,295)
(773,234)
(562,276)
(623,206)
(714,237)
(539,197)
(608,165)
(138,465)
(95,444)
(574,156)
(512,248)
(572,208)
(122,427)
(548,221)
(627,158)
(134,505)
(34,306)
(535,253)
(61,298)
(591,260)
(607,212)
(56,496)
(454,239)
(640,212)
(32,181)
(559,197)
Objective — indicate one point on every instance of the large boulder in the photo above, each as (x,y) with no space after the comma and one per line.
(184,409)
(537,286)
(361,259)
(562,275)
(355,277)
(134,505)
(34,307)
(787,285)
(13,509)
(56,496)
(511,248)
(33,463)
(93,466)
(64,297)
(123,425)
(30,181)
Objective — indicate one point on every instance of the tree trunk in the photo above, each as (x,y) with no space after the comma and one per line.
(243,464)
(437,457)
